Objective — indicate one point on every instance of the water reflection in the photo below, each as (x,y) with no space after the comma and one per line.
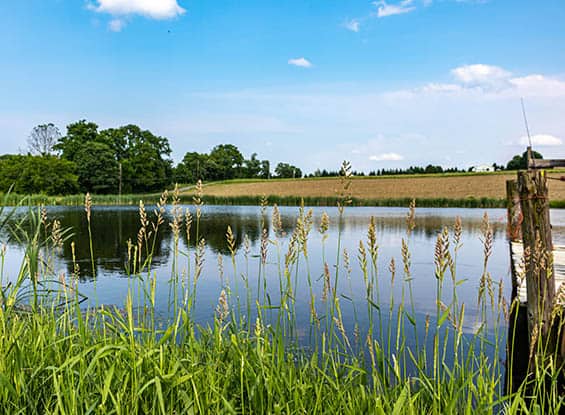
(112,228)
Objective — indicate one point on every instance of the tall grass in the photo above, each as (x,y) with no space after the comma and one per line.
(11,199)
(57,357)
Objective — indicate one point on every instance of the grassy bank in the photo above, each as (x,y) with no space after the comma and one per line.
(251,200)
(14,199)
(470,190)
(57,357)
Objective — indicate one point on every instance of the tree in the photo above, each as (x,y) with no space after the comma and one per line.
(97,168)
(520,162)
(38,174)
(433,169)
(252,167)
(43,138)
(228,160)
(285,170)
(265,169)
(144,157)
(78,134)
(193,167)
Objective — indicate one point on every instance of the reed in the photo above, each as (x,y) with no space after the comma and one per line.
(59,357)
(11,199)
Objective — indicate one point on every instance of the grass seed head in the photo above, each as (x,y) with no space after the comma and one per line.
(88,205)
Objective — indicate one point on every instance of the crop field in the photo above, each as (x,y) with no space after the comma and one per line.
(492,186)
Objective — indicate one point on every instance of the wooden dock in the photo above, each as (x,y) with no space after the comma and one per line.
(520,273)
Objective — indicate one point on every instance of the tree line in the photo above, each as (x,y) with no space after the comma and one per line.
(129,159)
(126,159)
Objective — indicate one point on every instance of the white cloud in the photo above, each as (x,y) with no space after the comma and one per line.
(386,157)
(489,81)
(302,62)
(354,25)
(541,140)
(481,75)
(538,85)
(384,9)
(155,9)
(116,25)
(440,88)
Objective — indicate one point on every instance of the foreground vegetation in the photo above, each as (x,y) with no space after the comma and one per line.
(58,357)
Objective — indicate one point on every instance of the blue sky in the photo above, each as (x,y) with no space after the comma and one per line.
(384,84)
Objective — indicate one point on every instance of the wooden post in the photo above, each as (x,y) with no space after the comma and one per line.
(538,251)
(530,163)
(518,341)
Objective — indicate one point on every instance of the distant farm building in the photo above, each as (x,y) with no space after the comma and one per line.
(483,168)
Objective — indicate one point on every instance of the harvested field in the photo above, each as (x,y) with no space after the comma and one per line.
(422,187)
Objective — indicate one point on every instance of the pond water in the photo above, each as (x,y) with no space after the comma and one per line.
(112,227)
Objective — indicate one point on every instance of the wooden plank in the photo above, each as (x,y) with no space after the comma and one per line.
(545,164)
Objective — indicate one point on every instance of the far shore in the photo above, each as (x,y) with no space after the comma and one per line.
(471,190)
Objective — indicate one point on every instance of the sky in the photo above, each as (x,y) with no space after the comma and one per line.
(382,84)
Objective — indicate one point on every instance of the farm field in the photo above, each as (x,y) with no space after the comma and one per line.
(490,186)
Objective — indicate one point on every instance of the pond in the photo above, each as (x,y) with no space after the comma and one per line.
(259,261)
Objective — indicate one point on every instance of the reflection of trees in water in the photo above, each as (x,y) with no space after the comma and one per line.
(213,227)
(111,229)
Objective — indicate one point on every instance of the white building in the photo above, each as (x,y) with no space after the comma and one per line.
(482,168)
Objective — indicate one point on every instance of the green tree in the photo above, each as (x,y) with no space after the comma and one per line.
(97,168)
(520,162)
(38,174)
(265,169)
(252,167)
(144,157)
(228,162)
(285,170)
(193,167)
(78,134)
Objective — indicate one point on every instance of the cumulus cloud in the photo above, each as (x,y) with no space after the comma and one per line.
(154,9)
(490,80)
(385,9)
(386,157)
(354,25)
(481,75)
(302,62)
(540,140)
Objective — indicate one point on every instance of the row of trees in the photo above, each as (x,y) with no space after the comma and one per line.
(127,159)
(223,162)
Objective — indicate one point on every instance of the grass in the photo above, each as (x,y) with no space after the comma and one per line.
(468,190)
(57,357)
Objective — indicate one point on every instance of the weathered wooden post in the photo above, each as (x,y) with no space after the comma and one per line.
(538,254)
